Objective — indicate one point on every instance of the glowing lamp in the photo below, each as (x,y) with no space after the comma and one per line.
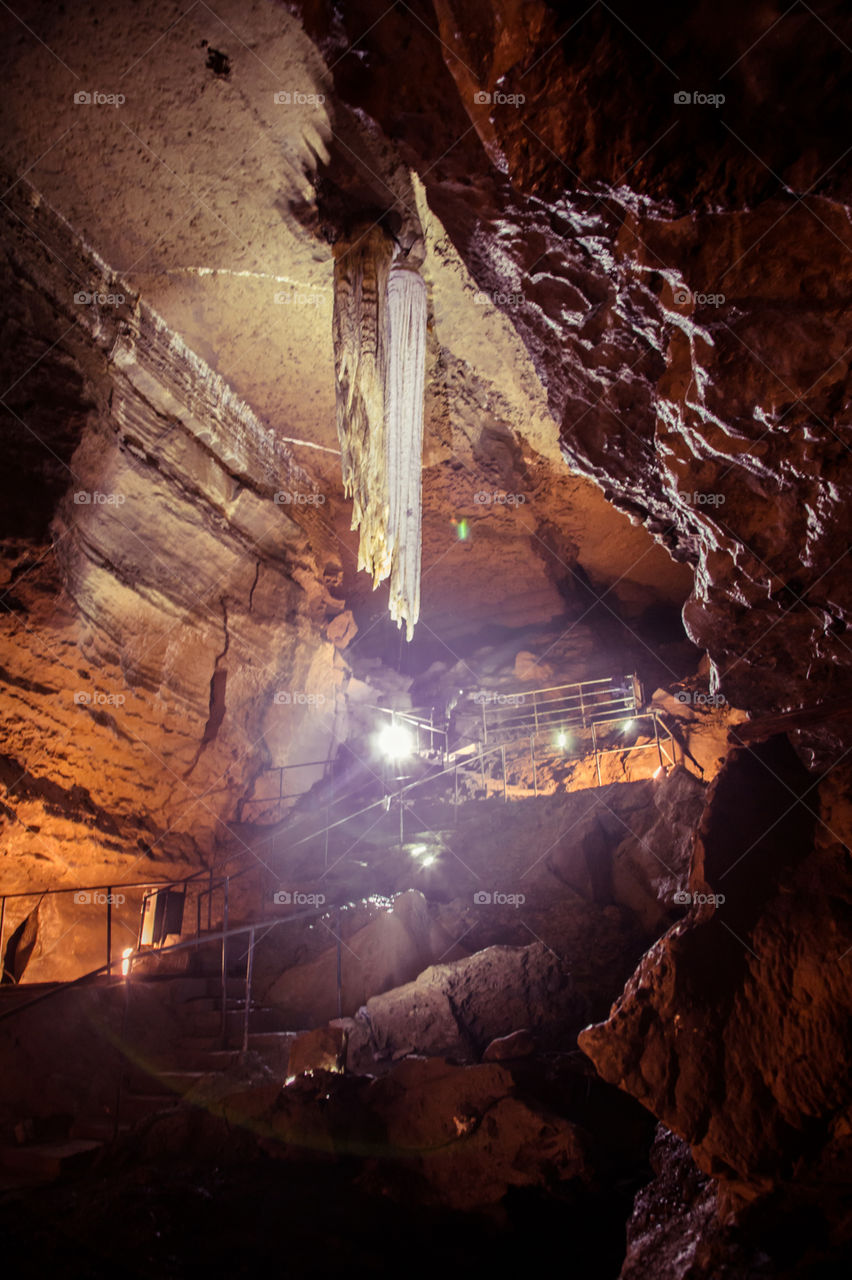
(125,961)
(395,742)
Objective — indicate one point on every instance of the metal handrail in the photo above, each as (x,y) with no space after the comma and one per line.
(578,704)
(541,716)
(199,941)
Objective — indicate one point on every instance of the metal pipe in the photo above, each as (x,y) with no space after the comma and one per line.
(249,967)
(2,953)
(532,757)
(339,969)
(224,987)
(122,1040)
(657,740)
(109,931)
(503,757)
(210,900)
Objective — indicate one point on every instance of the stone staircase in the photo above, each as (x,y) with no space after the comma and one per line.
(47,1148)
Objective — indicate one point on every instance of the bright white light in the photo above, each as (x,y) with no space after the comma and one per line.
(395,742)
(562,739)
(659,771)
(628,724)
(417,850)
(125,961)
(428,860)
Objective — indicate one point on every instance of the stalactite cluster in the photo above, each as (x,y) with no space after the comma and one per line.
(379,346)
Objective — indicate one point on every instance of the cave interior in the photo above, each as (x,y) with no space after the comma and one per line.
(424,657)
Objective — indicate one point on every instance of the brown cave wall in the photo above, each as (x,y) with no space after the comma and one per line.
(163,615)
(735,1028)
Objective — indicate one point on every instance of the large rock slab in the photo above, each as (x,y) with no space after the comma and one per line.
(458,1009)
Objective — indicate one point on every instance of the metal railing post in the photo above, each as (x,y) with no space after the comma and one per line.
(249,967)
(109,931)
(532,758)
(339,969)
(503,758)
(484,724)
(224,987)
(2,952)
(657,739)
(210,900)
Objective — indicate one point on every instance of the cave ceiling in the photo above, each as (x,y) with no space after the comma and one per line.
(639,335)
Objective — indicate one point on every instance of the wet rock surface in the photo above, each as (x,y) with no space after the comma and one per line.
(651,291)
(734,1030)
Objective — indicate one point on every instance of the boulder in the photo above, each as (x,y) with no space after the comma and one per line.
(458,1009)
(391,949)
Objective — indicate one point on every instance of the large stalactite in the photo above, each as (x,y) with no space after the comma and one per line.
(379,328)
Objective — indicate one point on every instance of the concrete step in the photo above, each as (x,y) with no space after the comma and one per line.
(210,1022)
(274,1048)
(47,1160)
(135,1106)
(206,1060)
(166,1081)
(201,1049)
(183,989)
(199,1004)
(234,987)
(199,1044)
(97,1128)
(259,1040)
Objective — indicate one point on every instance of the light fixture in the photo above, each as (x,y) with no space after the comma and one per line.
(659,771)
(628,724)
(562,739)
(395,742)
(125,961)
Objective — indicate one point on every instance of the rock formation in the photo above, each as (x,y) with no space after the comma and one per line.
(621,239)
